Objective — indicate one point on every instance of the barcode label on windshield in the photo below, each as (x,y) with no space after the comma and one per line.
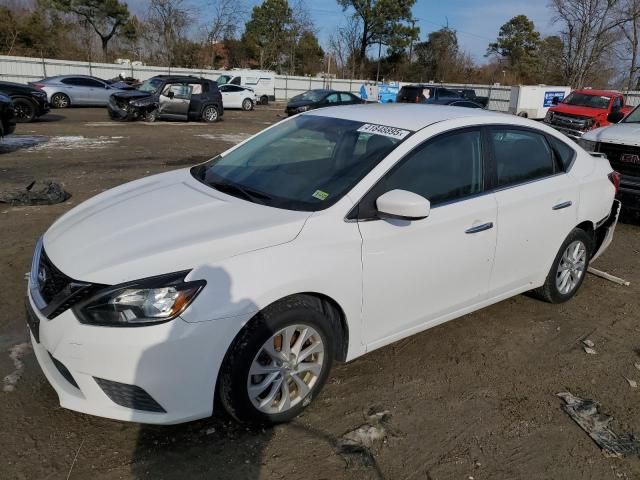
(383,130)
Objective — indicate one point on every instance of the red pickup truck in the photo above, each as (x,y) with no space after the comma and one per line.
(584,110)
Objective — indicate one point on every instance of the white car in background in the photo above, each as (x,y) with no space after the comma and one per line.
(322,238)
(234,96)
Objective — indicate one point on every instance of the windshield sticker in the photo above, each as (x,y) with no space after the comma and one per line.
(320,195)
(383,130)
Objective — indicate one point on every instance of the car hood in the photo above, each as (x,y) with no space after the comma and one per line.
(300,103)
(621,133)
(161,224)
(132,94)
(587,112)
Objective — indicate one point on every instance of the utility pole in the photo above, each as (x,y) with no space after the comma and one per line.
(379,53)
(413,25)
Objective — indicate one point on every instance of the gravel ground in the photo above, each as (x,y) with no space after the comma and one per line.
(471,399)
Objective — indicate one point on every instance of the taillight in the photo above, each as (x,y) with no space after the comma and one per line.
(39,86)
(615,179)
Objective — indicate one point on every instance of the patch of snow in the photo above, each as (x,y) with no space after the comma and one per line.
(73,143)
(15,353)
(16,142)
(225,137)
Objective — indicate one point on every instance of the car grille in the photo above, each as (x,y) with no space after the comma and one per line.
(64,371)
(130,396)
(569,121)
(54,280)
(623,158)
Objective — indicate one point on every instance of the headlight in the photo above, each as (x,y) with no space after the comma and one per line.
(588,145)
(549,116)
(303,109)
(142,302)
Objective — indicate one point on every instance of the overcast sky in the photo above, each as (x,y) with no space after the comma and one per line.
(476,21)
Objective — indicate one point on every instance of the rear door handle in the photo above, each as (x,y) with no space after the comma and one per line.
(480,228)
(562,205)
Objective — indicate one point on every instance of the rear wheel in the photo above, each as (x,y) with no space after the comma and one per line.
(264,100)
(60,100)
(278,363)
(247,104)
(569,268)
(210,114)
(25,110)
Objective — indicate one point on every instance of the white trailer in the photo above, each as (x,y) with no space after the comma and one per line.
(533,101)
(262,82)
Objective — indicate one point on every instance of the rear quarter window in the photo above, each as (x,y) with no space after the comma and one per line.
(564,153)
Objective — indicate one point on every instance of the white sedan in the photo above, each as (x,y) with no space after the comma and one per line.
(235,96)
(325,236)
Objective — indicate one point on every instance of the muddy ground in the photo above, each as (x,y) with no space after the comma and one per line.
(474,398)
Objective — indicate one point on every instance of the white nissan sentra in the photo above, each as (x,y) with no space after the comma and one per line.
(323,237)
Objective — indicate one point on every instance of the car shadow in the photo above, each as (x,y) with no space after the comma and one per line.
(49,118)
(215,447)
(12,143)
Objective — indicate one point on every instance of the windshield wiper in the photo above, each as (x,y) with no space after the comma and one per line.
(247,193)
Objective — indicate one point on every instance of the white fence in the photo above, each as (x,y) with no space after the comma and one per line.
(28,69)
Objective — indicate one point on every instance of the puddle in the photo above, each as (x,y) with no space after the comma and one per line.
(38,143)
(17,142)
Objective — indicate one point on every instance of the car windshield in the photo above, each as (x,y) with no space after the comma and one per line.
(584,100)
(307,163)
(224,79)
(311,95)
(151,85)
(633,117)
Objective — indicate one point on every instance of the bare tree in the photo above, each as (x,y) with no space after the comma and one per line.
(344,45)
(224,23)
(169,19)
(630,12)
(589,33)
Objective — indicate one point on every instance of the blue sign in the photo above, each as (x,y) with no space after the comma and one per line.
(549,96)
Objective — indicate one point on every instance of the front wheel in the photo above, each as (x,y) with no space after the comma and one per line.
(247,104)
(569,268)
(210,114)
(278,363)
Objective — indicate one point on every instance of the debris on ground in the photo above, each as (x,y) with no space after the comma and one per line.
(39,192)
(588,343)
(585,413)
(637,365)
(608,276)
(366,437)
(590,351)
(632,383)
(15,354)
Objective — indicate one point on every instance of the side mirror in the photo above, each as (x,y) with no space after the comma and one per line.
(402,204)
(555,101)
(171,94)
(615,117)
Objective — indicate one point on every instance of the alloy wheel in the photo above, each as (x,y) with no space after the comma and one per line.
(285,369)
(210,114)
(60,101)
(571,267)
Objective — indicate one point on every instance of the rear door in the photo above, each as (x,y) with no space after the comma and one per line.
(537,207)
(76,90)
(174,101)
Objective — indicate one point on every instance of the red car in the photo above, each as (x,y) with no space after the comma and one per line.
(584,110)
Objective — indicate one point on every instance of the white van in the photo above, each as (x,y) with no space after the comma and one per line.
(262,82)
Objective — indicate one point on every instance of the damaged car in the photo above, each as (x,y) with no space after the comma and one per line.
(7,116)
(165,97)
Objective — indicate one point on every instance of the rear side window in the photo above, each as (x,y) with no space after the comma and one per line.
(83,82)
(235,81)
(445,169)
(345,97)
(521,156)
(564,153)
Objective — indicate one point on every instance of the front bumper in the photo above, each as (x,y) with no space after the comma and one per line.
(629,192)
(175,364)
(572,134)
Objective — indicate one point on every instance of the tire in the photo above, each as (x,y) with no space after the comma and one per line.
(25,110)
(292,316)
(264,100)
(151,116)
(210,114)
(60,100)
(554,290)
(247,104)
(523,114)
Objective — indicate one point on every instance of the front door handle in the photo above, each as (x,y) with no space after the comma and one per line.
(480,228)
(562,205)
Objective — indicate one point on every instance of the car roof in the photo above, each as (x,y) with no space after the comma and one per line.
(604,93)
(414,116)
(182,78)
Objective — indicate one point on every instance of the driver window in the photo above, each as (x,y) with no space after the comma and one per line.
(180,91)
(333,98)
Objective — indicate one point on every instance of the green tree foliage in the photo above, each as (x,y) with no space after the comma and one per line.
(438,54)
(267,33)
(309,54)
(383,21)
(106,17)
(518,43)
(551,64)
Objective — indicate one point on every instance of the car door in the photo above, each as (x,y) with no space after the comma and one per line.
(174,101)
(98,92)
(537,207)
(417,273)
(75,89)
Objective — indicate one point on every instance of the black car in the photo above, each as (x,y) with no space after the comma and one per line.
(318,99)
(470,94)
(7,116)
(426,93)
(28,102)
(462,103)
(169,97)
